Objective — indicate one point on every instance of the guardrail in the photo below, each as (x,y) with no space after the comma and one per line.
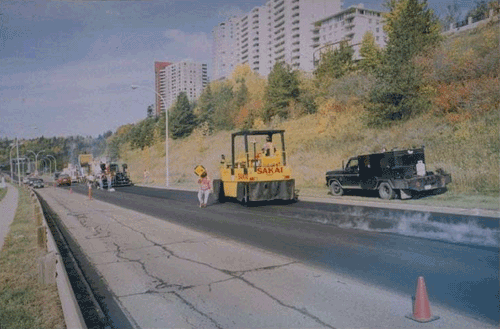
(51,268)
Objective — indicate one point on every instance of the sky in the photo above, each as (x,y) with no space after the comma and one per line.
(67,66)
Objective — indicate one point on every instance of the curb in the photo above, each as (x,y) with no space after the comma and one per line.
(72,314)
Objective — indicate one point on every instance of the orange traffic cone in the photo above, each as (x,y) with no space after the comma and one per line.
(421,306)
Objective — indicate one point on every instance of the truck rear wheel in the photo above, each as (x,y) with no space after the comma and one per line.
(385,191)
(336,188)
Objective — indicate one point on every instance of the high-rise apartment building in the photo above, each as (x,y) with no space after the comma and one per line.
(348,25)
(187,77)
(280,30)
(159,66)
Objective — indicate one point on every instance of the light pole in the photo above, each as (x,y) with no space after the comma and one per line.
(36,160)
(18,164)
(50,164)
(29,163)
(10,158)
(167,180)
(55,162)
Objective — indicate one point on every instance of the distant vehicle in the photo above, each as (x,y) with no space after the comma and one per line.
(118,178)
(31,180)
(38,183)
(56,175)
(391,173)
(64,179)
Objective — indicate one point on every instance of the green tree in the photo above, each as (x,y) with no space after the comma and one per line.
(371,54)
(480,10)
(241,95)
(282,87)
(150,111)
(412,30)
(181,119)
(336,63)
(223,107)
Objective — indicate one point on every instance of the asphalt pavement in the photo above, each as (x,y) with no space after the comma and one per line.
(164,274)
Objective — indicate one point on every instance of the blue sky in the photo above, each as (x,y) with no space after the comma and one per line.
(66,67)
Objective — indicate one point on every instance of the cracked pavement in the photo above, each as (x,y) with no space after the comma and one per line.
(164,275)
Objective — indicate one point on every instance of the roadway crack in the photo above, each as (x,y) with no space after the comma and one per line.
(233,274)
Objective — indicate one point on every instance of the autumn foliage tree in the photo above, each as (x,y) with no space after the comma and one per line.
(371,54)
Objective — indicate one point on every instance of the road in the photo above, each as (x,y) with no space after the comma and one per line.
(463,277)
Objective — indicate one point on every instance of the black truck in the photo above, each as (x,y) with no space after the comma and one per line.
(393,173)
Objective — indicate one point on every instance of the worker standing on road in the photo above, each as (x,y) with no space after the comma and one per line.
(109,179)
(205,189)
(89,184)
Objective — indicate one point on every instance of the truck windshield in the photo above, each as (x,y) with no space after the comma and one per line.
(352,165)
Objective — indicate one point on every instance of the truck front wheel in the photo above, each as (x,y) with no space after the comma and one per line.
(336,188)
(386,192)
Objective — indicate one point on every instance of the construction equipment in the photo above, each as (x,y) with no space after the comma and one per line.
(262,175)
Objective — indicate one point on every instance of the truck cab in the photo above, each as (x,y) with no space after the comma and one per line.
(396,172)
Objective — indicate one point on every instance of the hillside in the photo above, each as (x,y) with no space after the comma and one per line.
(460,132)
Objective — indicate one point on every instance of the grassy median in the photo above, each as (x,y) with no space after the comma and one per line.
(24,302)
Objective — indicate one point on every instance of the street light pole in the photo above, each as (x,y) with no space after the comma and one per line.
(55,162)
(167,180)
(10,158)
(18,164)
(50,164)
(36,159)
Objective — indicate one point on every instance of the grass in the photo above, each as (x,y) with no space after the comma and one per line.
(320,142)
(24,302)
(3,192)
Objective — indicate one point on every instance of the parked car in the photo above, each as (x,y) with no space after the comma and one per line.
(38,183)
(30,180)
(64,179)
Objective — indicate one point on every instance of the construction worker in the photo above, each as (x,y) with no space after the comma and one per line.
(205,189)
(268,149)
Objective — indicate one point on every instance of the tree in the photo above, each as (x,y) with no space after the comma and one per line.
(453,13)
(224,112)
(412,30)
(282,87)
(480,10)
(150,111)
(181,119)
(371,54)
(241,96)
(336,63)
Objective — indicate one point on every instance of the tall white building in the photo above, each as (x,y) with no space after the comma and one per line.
(349,25)
(187,77)
(280,30)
